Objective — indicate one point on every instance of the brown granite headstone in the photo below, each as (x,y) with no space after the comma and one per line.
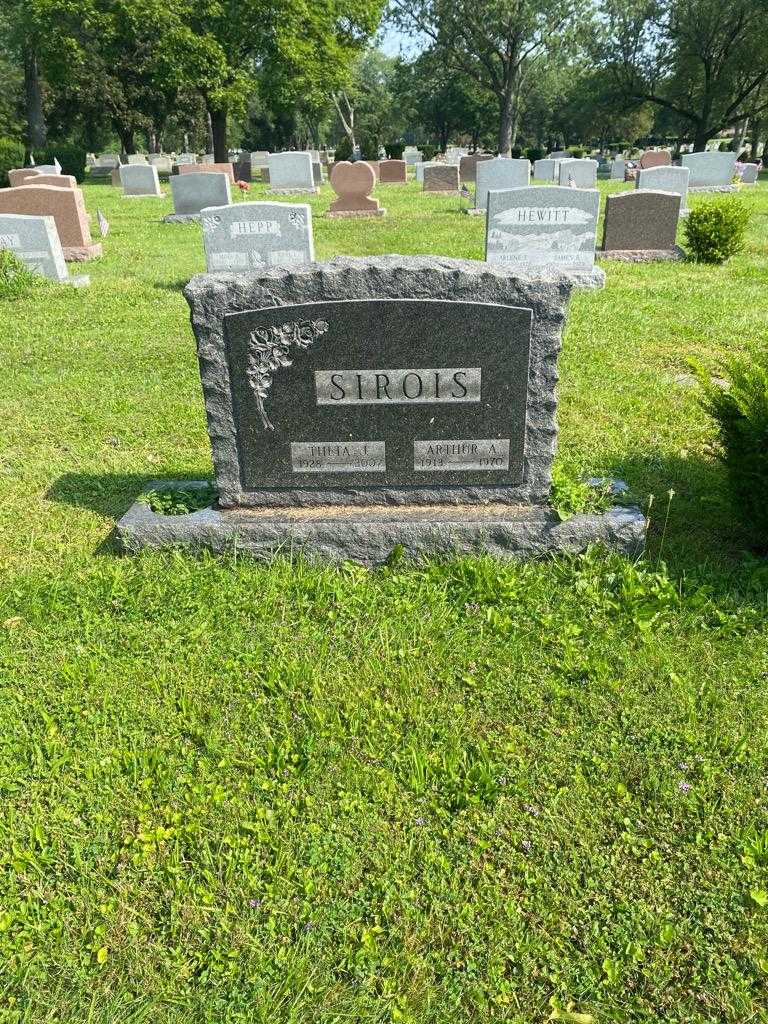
(353,184)
(65,205)
(441,178)
(374,165)
(20,174)
(655,158)
(393,172)
(468,166)
(223,168)
(56,180)
(641,221)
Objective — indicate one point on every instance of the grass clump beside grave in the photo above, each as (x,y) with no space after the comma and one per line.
(739,406)
(457,792)
(15,279)
(715,229)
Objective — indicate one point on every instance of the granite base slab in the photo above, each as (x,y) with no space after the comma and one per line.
(81,253)
(180,218)
(357,213)
(474,211)
(369,535)
(642,255)
(713,188)
(293,191)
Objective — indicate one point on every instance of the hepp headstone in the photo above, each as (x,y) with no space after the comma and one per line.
(393,172)
(248,236)
(195,191)
(543,227)
(139,180)
(710,170)
(353,184)
(468,166)
(655,158)
(210,168)
(500,173)
(441,178)
(545,170)
(665,179)
(641,222)
(581,173)
(65,205)
(291,172)
(749,173)
(36,242)
(618,169)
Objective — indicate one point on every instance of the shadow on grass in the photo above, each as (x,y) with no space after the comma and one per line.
(173,286)
(107,494)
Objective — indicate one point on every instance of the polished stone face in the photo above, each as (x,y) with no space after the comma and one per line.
(665,179)
(290,170)
(641,220)
(140,179)
(194,191)
(711,168)
(500,173)
(379,393)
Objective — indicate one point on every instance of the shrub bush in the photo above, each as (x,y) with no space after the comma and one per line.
(71,158)
(577,152)
(535,153)
(15,279)
(428,151)
(343,149)
(741,414)
(516,152)
(395,150)
(369,148)
(11,157)
(714,229)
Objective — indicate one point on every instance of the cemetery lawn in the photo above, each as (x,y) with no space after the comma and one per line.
(460,791)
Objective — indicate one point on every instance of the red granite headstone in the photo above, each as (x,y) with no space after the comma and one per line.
(392,172)
(353,184)
(65,205)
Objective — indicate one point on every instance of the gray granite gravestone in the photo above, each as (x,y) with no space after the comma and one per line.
(195,191)
(441,177)
(641,226)
(186,158)
(543,228)
(500,173)
(139,180)
(380,403)
(259,159)
(108,160)
(749,173)
(618,169)
(162,164)
(581,173)
(136,158)
(291,173)
(666,179)
(545,170)
(248,236)
(35,241)
(711,171)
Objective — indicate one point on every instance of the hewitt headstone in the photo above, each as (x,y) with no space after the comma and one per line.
(35,241)
(666,179)
(641,226)
(543,228)
(291,173)
(580,173)
(497,174)
(711,171)
(248,236)
(193,192)
(139,181)
(358,407)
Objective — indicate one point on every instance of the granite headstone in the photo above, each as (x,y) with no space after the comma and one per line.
(291,173)
(580,173)
(139,180)
(500,173)
(193,192)
(35,241)
(65,205)
(440,177)
(666,179)
(641,224)
(248,236)
(545,170)
(710,170)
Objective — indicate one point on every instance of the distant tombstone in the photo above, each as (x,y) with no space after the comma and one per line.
(618,170)
(543,227)
(655,158)
(353,184)
(468,167)
(139,180)
(749,174)
(412,156)
(19,175)
(161,163)
(393,172)
(49,168)
(243,171)
(441,178)
(108,160)
(711,171)
(65,205)
(291,173)
(210,168)
(317,172)
(207,158)
(194,192)
(581,173)
(35,241)
(560,154)
(666,179)
(55,180)
(641,225)
(137,158)
(248,236)
(500,173)
(114,177)
(545,170)
(186,158)
(259,159)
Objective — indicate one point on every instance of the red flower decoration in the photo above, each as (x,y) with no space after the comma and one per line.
(244,186)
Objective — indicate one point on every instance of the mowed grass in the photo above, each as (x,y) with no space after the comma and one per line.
(458,791)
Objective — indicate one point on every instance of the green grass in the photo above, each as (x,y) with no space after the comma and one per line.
(453,792)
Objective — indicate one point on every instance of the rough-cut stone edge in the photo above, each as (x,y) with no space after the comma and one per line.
(293,191)
(381,212)
(341,534)
(212,297)
(642,255)
(81,253)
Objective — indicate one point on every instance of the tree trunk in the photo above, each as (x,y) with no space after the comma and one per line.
(506,123)
(33,92)
(755,132)
(219,132)
(127,139)
(738,137)
(700,139)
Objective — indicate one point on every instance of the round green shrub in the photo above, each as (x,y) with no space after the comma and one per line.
(516,152)
(395,150)
(577,152)
(343,149)
(369,148)
(15,279)
(428,151)
(11,157)
(715,228)
(535,153)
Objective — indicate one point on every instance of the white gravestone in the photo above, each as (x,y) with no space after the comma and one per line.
(186,158)
(139,180)
(710,170)
(108,160)
(291,172)
(543,226)
(499,173)
(545,170)
(195,191)
(137,158)
(162,163)
(749,174)
(618,170)
(260,159)
(666,179)
(35,241)
(581,173)
(253,236)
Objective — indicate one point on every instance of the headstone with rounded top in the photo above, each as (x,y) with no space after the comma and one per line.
(353,184)
(500,173)
(393,172)
(655,158)
(139,181)
(248,236)
(291,173)
(65,205)
(193,192)
(641,226)
(35,241)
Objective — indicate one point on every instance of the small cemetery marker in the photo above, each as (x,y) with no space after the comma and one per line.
(250,236)
(618,169)
(139,181)
(194,192)
(640,226)
(545,170)
(35,241)
(749,174)
(580,173)
(393,172)
(353,184)
(655,158)
(291,173)
(441,178)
